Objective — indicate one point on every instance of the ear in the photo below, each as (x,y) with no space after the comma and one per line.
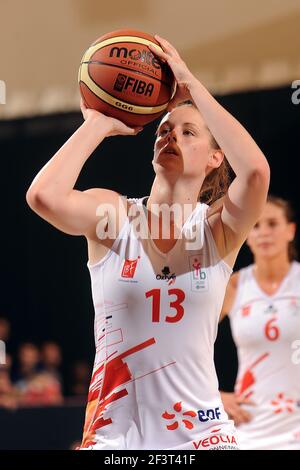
(216,159)
(292,231)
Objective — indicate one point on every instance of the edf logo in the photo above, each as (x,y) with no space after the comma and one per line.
(210,414)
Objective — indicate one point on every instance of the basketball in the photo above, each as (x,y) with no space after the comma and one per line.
(120,77)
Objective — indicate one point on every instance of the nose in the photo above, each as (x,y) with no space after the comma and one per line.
(172,136)
(263,230)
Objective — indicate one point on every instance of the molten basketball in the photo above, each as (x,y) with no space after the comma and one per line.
(120,77)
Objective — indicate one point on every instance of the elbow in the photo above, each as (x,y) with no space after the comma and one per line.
(260,176)
(37,199)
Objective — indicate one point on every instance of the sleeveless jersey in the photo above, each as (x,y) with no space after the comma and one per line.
(266,330)
(154,384)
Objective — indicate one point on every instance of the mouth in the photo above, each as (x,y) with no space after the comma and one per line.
(170,150)
(264,244)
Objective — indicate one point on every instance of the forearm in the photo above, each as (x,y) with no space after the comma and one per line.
(242,152)
(58,177)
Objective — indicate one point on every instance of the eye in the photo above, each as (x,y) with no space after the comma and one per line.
(162,132)
(188,132)
(272,224)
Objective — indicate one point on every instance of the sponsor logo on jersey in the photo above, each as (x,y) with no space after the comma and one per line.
(282,404)
(209,415)
(179,418)
(129,268)
(270,309)
(199,279)
(166,276)
(217,441)
(246,310)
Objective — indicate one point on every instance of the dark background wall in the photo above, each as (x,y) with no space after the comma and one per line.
(45,287)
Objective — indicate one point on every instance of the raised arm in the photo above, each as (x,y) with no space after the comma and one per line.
(52,195)
(245,199)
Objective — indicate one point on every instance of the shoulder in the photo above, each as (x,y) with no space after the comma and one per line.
(234,279)
(111,210)
(109,199)
(227,251)
(297,265)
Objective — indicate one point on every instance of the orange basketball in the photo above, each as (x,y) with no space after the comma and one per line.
(120,77)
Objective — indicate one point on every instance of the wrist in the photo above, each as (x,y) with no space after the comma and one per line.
(98,125)
(192,83)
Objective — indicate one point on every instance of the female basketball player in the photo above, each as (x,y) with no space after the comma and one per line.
(157,299)
(263,303)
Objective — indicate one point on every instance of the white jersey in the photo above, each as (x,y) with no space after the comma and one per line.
(266,330)
(154,384)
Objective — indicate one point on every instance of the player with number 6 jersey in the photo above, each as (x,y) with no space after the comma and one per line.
(263,304)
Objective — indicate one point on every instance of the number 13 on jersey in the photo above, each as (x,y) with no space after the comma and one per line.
(175,304)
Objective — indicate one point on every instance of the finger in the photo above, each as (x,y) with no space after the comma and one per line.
(245,416)
(246,401)
(239,418)
(159,52)
(234,414)
(242,399)
(242,415)
(166,45)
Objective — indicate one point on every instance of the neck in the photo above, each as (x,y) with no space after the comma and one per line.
(272,269)
(168,192)
(183,196)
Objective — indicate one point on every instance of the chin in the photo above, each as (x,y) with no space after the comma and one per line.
(267,253)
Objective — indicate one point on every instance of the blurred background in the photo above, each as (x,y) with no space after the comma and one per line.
(246,53)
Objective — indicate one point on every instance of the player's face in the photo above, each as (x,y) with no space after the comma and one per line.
(271,234)
(183,144)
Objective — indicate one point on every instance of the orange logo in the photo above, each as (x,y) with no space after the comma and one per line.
(129,268)
(172,416)
(282,404)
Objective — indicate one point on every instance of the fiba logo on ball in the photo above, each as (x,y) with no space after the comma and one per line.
(120,77)
(131,84)
(120,82)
